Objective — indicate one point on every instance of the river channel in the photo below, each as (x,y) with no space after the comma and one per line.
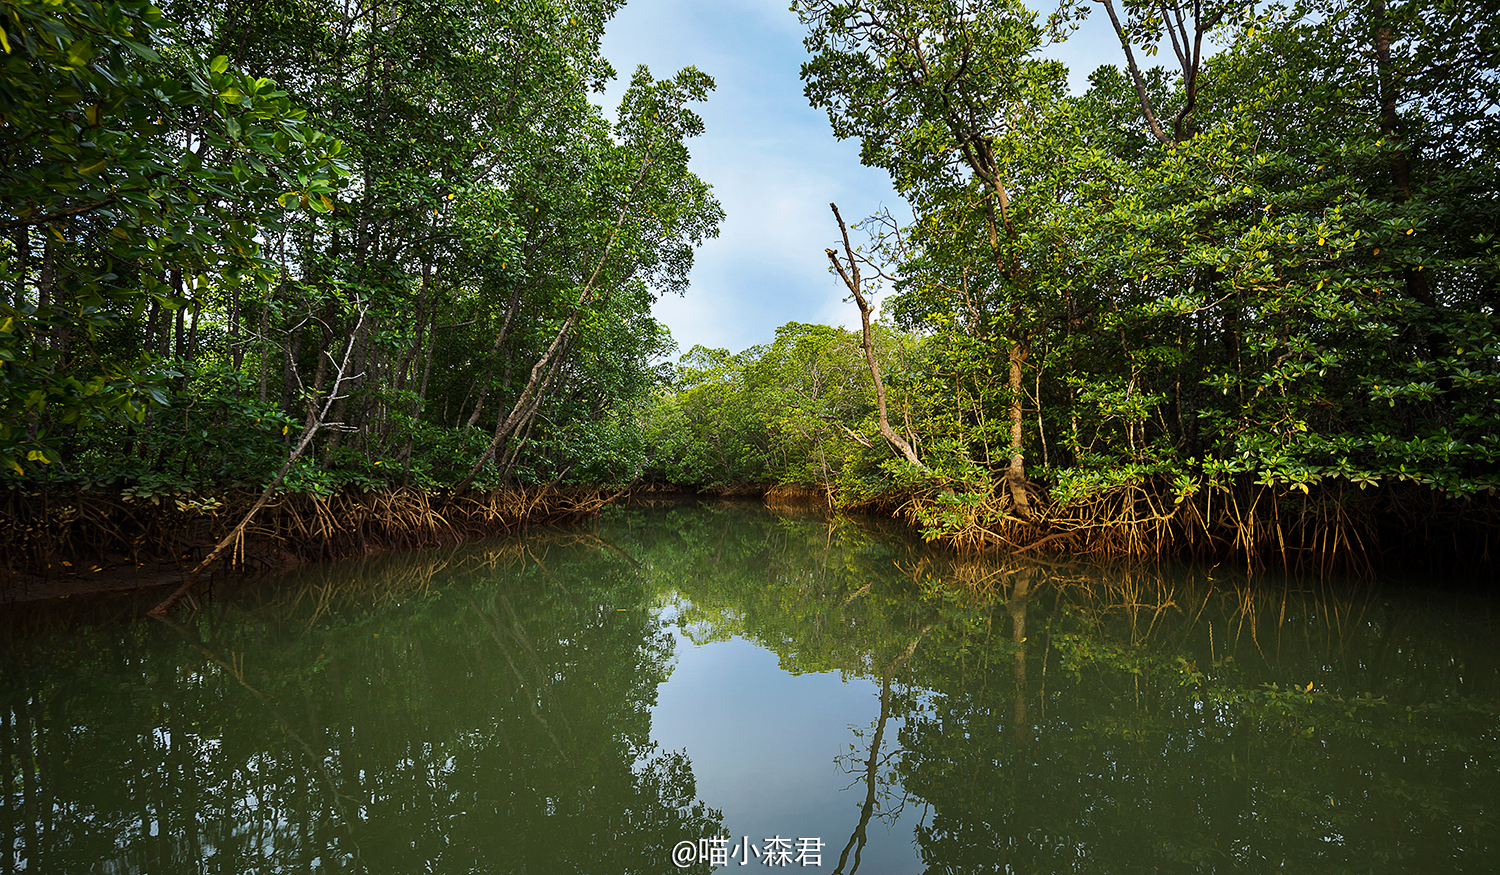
(699,687)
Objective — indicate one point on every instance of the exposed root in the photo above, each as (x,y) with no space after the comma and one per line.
(1328,529)
(49,534)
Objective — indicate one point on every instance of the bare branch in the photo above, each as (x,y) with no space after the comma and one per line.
(238,532)
(1135,75)
(886,431)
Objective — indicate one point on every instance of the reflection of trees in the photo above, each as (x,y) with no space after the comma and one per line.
(1078,719)
(871,773)
(820,592)
(1159,743)
(1015,605)
(489,710)
(483,718)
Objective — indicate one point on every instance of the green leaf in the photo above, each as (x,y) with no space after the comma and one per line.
(80,52)
(141,50)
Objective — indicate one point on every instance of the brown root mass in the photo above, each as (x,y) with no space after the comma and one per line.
(1327,529)
(58,543)
(796,495)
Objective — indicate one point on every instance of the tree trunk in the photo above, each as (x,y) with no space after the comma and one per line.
(489,374)
(1015,474)
(179,341)
(416,407)
(519,411)
(523,429)
(44,281)
(401,378)
(265,348)
(293,351)
(341,410)
(22,242)
(319,376)
(192,336)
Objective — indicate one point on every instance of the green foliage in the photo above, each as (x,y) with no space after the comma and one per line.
(799,411)
(709,430)
(188,248)
(105,191)
(1299,288)
(1295,290)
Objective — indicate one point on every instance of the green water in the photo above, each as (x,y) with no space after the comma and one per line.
(598,699)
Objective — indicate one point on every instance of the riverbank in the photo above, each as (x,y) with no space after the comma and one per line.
(64,543)
(1332,528)
(93,541)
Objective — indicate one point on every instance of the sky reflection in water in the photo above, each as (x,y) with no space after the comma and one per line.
(582,700)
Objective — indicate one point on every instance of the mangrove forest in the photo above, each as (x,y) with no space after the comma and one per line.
(333,277)
(1136,514)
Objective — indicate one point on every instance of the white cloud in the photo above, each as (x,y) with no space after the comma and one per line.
(772,160)
(770,157)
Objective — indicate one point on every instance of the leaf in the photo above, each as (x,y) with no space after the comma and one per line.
(219,64)
(141,50)
(80,52)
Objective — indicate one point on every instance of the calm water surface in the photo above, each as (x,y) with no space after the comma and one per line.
(617,697)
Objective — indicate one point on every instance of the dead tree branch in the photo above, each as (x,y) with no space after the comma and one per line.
(236,534)
(852,281)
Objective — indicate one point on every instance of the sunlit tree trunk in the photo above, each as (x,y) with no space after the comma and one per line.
(1015,473)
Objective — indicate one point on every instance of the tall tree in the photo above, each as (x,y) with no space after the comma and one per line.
(937,91)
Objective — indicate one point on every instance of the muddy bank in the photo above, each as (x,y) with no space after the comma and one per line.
(61,544)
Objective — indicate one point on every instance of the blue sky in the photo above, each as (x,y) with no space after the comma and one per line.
(772,160)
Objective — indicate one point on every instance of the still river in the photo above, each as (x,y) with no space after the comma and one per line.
(693,687)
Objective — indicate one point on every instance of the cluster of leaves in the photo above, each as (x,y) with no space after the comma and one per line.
(216,217)
(104,189)
(1276,266)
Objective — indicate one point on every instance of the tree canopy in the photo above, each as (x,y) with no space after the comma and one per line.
(1245,300)
(1242,301)
(221,219)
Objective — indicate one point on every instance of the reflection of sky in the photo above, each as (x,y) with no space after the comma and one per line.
(763,741)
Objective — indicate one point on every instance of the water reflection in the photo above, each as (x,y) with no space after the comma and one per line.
(464,713)
(879,782)
(493,708)
(1071,718)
